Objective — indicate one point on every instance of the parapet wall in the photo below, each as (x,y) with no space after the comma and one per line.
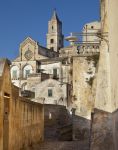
(26,122)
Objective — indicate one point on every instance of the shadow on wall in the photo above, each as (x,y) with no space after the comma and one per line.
(57,123)
(104,133)
(81,129)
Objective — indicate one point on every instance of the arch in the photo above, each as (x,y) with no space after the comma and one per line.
(52,41)
(27,69)
(24,86)
(15,72)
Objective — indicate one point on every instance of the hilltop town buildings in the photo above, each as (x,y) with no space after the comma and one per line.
(52,72)
(81,76)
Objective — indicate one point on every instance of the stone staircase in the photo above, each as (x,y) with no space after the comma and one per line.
(60,145)
(58,131)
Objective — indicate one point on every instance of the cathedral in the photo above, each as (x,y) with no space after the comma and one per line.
(43,67)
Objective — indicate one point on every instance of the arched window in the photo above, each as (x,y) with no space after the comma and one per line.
(52,41)
(15,73)
(52,27)
(24,86)
(27,70)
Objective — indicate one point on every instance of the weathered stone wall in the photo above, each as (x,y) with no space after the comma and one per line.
(35,79)
(26,122)
(21,121)
(113,48)
(5,91)
(84,69)
(92,27)
(59,92)
(104,133)
(105,117)
(107,90)
(81,129)
(68,51)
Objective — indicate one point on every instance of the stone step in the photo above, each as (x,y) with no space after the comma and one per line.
(58,145)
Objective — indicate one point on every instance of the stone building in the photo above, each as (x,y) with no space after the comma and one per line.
(55,36)
(30,52)
(55,92)
(90,31)
(27,62)
(37,63)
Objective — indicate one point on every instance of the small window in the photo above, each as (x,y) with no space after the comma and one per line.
(14,75)
(52,27)
(52,48)
(52,40)
(54,73)
(49,92)
(92,27)
(27,72)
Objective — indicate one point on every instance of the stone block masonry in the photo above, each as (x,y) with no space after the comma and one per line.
(21,120)
(104,133)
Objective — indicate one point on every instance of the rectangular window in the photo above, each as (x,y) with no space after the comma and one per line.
(52,40)
(14,75)
(50,93)
(54,73)
(27,72)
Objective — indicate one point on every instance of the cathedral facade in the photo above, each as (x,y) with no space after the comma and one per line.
(36,63)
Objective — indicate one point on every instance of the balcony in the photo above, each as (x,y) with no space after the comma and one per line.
(27,94)
(88,48)
(14,78)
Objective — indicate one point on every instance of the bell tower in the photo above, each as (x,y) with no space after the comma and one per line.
(54,35)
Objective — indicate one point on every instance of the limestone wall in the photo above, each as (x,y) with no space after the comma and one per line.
(26,122)
(104,132)
(35,79)
(91,28)
(84,69)
(113,50)
(5,91)
(58,92)
(107,86)
(21,121)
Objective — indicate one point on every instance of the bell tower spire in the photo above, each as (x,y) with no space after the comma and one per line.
(54,35)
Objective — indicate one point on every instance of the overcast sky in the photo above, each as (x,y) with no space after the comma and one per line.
(22,18)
